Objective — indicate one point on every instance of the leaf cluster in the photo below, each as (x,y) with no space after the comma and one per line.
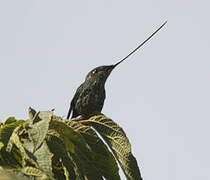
(48,147)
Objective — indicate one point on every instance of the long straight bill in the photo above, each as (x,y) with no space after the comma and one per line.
(141,44)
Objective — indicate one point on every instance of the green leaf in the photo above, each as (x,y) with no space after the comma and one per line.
(11,159)
(118,142)
(79,150)
(7,130)
(10,120)
(37,130)
(61,162)
(44,158)
(15,140)
(103,158)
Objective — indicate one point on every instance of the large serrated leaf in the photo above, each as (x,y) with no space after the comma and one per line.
(103,158)
(11,159)
(37,130)
(118,142)
(60,159)
(15,140)
(44,158)
(7,130)
(81,152)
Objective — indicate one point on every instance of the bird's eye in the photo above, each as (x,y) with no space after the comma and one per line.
(95,71)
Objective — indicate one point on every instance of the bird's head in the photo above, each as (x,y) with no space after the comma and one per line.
(100,73)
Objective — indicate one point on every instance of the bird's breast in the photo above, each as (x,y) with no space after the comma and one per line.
(91,99)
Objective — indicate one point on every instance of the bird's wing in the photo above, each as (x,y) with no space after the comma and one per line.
(70,110)
(74,100)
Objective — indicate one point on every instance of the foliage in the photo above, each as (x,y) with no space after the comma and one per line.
(48,147)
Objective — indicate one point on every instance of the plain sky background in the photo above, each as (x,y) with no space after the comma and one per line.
(160,95)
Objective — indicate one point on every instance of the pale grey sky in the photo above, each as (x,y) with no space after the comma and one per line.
(160,95)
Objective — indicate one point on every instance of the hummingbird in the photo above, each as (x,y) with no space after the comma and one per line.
(90,95)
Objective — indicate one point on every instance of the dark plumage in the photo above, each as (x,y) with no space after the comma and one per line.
(89,97)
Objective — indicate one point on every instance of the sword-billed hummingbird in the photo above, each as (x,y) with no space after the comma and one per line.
(89,97)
